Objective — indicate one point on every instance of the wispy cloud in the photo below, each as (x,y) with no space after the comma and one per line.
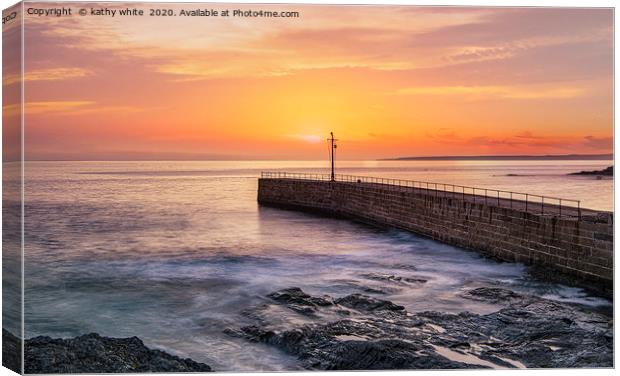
(598,143)
(55,107)
(487,92)
(69,108)
(420,77)
(395,44)
(46,107)
(53,74)
(49,74)
(524,140)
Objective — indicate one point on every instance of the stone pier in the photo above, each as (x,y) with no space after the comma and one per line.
(579,247)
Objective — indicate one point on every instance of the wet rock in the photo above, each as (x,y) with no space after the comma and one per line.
(92,353)
(298,301)
(323,348)
(383,354)
(11,351)
(457,345)
(528,332)
(366,303)
(295,295)
(492,295)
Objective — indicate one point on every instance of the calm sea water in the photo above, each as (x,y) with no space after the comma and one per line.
(172,252)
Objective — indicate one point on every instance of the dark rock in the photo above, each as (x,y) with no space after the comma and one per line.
(298,301)
(92,353)
(321,348)
(366,303)
(492,295)
(11,351)
(528,332)
(609,171)
(384,354)
(460,345)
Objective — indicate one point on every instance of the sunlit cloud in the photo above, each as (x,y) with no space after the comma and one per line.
(56,74)
(524,140)
(70,108)
(55,107)
(605,143)
(10,110)
(10,79)
(382,39)
(51,74)
(387,80)
(486,92)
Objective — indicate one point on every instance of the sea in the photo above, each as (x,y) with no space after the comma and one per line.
(173,252)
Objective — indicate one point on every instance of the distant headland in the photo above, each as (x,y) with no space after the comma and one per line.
(609,171)
(560,157)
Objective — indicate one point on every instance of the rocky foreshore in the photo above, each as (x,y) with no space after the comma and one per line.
(372,334)
(11,351)
(92,353)
(360,332)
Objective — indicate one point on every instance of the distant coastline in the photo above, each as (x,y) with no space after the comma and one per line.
(562,157)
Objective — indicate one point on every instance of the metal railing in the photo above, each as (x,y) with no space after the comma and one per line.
(531,203)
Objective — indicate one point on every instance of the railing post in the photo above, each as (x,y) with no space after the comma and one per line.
(497,198)
(526,197)
(542,205)
(485,197)
(579,210)
(560,208)
(510,200)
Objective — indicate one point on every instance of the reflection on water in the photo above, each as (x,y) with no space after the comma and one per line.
(11,250)
(172,252)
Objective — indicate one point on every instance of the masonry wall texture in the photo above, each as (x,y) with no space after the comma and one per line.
(582,249)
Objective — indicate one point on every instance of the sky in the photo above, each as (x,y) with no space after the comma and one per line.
(388,81)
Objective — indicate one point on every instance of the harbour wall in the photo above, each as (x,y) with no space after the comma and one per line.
(580,249)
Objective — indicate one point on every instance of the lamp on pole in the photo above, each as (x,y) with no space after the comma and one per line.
(332,151)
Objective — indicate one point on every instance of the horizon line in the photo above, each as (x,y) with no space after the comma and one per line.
(505,156)
(429,157)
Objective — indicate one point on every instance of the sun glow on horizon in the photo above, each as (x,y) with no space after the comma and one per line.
(457,81)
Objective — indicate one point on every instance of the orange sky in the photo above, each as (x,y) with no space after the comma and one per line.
(389,81)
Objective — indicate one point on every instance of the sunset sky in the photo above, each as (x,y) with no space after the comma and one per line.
(389,81)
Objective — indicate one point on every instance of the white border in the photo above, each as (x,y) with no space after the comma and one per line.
(558,3)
